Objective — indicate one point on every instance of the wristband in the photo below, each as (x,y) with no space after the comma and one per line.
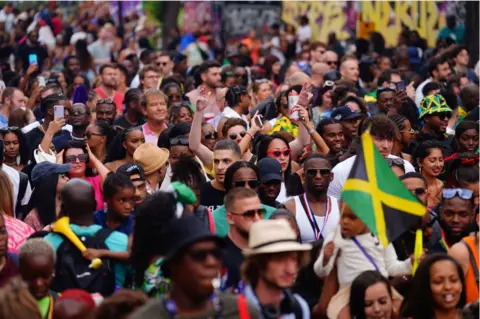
(250,134)
(310,131)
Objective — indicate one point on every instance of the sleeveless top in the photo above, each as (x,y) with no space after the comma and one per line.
(470,279)
(307,233)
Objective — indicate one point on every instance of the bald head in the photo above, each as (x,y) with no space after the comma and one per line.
(78,199)
(469,96)
(291,69)
(349,69)
(331,59)
(299,78)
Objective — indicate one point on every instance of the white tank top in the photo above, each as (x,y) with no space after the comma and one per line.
(307,233)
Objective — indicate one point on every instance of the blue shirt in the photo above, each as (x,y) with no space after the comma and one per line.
(3,121)
(125,227)
(116,242)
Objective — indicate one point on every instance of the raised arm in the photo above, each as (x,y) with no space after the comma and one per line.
(53,128)
(322,147)
(248,138)
(195,137)
(98,165)
(303,138)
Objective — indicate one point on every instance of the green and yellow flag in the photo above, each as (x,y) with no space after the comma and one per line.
(378,197)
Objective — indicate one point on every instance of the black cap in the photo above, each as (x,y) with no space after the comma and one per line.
(130,169)
(332,75)
(344,113)
(270,170)
(45,169)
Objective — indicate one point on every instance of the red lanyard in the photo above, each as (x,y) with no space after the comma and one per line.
(311,217)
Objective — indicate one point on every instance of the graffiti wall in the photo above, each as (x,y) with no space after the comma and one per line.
(325,17)
(427,17)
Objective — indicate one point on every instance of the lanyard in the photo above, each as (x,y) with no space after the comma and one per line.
(311,217)
(444,243)
(171,306)
(365,253)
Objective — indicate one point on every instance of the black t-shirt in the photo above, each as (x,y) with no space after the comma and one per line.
(232,261)
(25,50)
(211,197)
(122,122)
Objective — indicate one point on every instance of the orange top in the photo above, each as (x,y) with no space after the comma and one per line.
(470,280)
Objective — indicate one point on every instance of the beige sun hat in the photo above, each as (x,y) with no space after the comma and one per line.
(151,157)
(269,236)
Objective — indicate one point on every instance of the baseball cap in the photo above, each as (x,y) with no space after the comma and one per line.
(344,113)
(432,104)
(270,170)
(130,169)
(332,75)
(44,169)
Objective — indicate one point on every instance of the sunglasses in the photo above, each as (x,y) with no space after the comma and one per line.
(210,135)
(240,75)
(313,172)
(82,158)
(395,161)
(88,135)
(443,115)
(332,62)
(419,191)
(449,193)
(250,214)
(105,101)
(180,140)
(411,131)
(201,255)
(233,136)
(252,183)
(280,153)
(77,112)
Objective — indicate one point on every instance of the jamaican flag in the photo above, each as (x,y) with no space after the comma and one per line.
(378,197)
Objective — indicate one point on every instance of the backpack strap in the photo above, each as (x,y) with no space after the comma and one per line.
(22,189)
(103,234)
(242,307)
(472,261)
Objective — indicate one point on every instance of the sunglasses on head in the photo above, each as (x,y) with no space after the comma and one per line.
(82,158)
(449,193)
(312,172)
(252,183)
(210,135)
(250,214)
(9,129)
(105,101)
(280,153)
(179,140)
(201,255)
(233,136)
(395,161)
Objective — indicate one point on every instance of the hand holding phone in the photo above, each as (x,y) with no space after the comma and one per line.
(32,59)
(400,86)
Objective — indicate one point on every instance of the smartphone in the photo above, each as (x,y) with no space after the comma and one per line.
(400,86)
(58,111)
(32,59)
(41,81)
(259,122)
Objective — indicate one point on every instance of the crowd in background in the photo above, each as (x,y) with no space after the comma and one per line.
(208,182)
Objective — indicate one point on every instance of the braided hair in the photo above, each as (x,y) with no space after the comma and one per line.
(399,121)
(463,171)
(234,95)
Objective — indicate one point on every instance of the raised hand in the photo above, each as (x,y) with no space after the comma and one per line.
(202,100)
(56,125)
(305,94)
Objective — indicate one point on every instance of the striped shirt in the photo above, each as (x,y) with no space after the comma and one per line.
(18,233)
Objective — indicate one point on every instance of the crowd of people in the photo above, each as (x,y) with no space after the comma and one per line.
(192,183)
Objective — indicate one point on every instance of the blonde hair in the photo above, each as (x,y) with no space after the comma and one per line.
(16,302)
(6,189)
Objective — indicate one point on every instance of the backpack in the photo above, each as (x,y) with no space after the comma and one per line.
(72,269)
(22,189)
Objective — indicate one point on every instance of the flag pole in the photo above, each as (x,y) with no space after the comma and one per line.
(417,252)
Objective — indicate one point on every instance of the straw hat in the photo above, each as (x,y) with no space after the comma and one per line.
(270,236)
(151,157)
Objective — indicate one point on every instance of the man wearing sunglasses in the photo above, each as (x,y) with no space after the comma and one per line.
(193,260)
(243,210)
(331,59)
(456,216)
(164,64)
(315,212)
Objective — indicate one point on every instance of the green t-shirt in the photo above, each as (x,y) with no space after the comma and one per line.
(220,217)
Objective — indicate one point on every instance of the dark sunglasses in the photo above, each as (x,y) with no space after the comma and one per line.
(233,136)
(279,153)
(419,191)
(252,183)
(313,172)
(82,158)
(201,255)
(240,75)
(210,135)
(105,101)
(332,62)
(88,135)
(180,140)
(443,115)
(449,193)
(250,214)
(77,112)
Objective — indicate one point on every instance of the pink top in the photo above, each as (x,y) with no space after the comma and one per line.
(18,232)
(117,98)
(96,182)
(150,136)
(33,221)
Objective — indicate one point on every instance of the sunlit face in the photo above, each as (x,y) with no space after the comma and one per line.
(378,302)
(133,140)
(184,115)
(384,145)
(74,156)
(122,202)
(282,269)
(333,136)
(11,145)
(150,80)
(445,284)
(468,141)
(349,70)
(277,149)
(242,223)
(432,165)
(156,109)
(236,133)
(93,136)
(350,224)
(109,77)
(222,159)
(264,91)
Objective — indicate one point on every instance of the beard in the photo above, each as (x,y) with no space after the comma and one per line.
(452,238)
